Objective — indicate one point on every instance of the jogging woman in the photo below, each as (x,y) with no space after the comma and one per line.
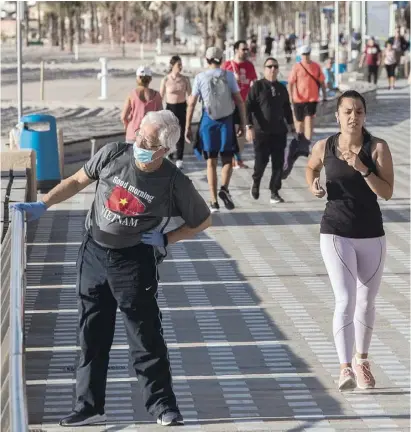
(175,88)
(359,169)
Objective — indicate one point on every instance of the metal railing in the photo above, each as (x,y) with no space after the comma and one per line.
(14,416)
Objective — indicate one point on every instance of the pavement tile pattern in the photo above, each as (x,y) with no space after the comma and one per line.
(247,312)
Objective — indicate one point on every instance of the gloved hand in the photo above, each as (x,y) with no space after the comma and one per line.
(155,238)
(34,210)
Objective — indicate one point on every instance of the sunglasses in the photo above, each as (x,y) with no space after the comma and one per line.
(272,66)
(245,49)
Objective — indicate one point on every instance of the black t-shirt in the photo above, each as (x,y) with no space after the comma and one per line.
(352,209)
(268,107)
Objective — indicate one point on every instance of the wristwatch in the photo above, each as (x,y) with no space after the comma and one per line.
(367,173)
(249,126)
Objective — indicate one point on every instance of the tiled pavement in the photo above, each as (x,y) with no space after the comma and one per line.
(247,310)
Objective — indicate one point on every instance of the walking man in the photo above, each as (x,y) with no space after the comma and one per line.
(218,90)
(305,80)
(268,111)
(245,75)
(117,264)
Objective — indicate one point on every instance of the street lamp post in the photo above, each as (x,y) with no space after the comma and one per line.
(19,16)
(236,21)
(336,43)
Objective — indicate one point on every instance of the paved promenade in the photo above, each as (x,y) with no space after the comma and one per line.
(247,312)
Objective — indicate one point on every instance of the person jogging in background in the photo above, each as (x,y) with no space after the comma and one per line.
(268,112)
(305,80)
(117,264)
(390,63)
(245,75)
(175,88)
(218,90)
(372,58)
(140,101)
(358,170)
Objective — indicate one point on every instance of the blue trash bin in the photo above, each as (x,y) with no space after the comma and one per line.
(39,133)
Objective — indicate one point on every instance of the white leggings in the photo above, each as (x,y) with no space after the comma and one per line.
(355,268)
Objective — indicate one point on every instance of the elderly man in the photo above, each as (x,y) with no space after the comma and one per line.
(117,264)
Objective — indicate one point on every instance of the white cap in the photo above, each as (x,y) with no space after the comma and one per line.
(214,53)
(144,71)
(305,49)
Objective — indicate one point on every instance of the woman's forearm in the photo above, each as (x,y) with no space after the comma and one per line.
(379,186)
(185,232)
(311,175)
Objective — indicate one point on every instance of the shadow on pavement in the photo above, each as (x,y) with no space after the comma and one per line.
(231,361)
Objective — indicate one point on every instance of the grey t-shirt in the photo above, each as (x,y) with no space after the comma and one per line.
(129,202)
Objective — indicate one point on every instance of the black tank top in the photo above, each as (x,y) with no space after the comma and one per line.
(352,209)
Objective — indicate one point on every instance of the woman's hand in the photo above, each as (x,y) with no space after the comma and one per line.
(354,161)
(316,189)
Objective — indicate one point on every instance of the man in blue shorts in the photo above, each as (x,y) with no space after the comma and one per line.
(219,93)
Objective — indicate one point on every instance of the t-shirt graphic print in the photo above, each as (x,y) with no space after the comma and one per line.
(123,202)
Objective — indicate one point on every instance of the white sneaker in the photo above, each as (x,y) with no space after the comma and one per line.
(179,164)
(347,380)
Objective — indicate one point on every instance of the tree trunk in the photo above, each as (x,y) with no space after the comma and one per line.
(244,19)
(71,31)
(26,23)
(204,18)
(97,18)
(79,28)
(62,28)
(54,29)
(174,28)
(92,20)
(38,21)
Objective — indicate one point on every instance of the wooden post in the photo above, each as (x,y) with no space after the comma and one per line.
(42,80)
(13,144)
(60,145)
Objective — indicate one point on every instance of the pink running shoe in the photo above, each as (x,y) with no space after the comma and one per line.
(347,380)
(365,379)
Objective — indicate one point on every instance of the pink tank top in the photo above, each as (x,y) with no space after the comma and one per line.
(139,109)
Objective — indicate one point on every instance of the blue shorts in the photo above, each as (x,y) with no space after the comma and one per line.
(217,135)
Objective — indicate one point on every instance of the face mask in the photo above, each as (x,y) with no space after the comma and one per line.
(143,155)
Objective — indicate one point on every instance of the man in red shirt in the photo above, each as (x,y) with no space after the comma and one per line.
(372,58)
(245,75)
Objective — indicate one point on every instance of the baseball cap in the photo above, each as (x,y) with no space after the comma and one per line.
(214,53)
(144,71)
(305,49)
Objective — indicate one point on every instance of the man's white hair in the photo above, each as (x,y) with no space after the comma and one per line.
(168,126)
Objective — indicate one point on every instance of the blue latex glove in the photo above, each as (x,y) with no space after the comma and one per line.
(34,210)
(154,238)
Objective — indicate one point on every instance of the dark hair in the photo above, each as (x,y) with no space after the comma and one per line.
(238,43)
(175,59)
(355,95)
(213,61)
(270,58)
